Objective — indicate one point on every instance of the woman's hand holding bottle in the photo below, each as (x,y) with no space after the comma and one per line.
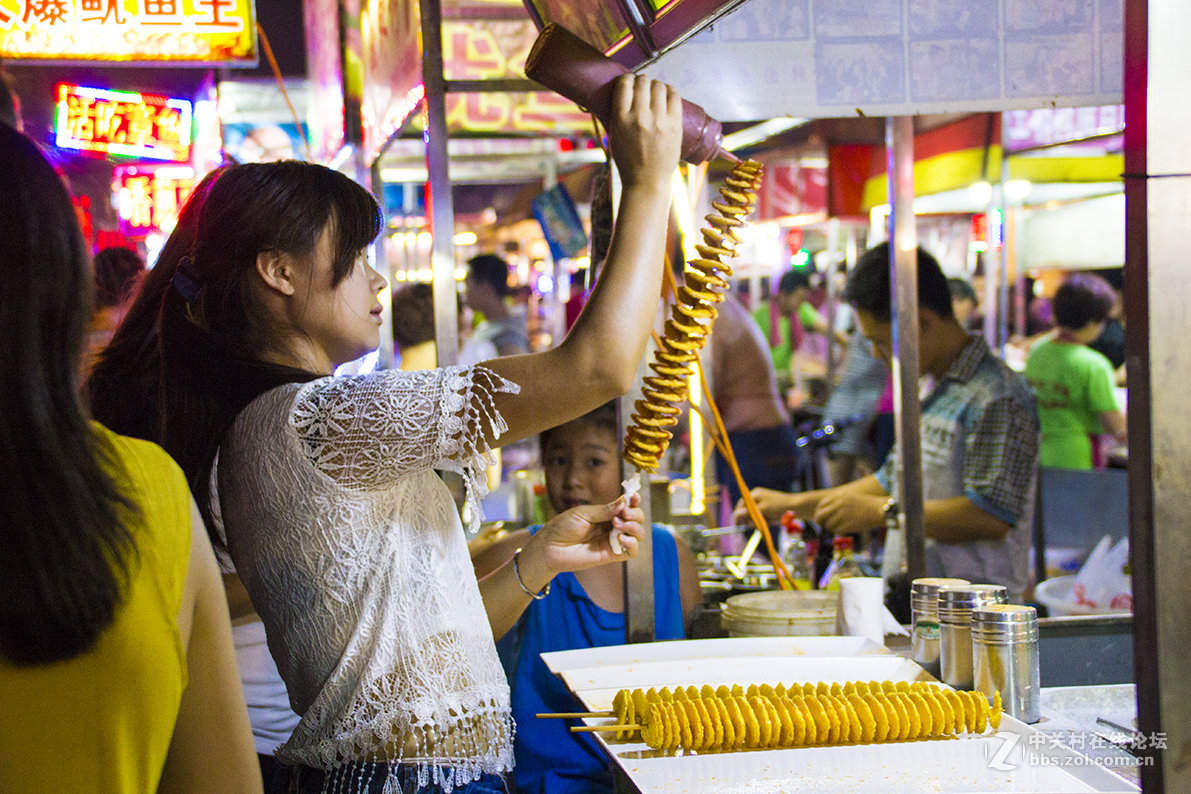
(646,131)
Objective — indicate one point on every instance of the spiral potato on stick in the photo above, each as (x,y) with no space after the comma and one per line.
(690,320)
(807,715)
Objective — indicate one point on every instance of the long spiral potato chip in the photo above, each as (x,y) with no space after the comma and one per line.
(767,717)
(690,320)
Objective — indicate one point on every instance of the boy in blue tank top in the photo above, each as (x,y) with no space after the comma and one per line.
(584,609)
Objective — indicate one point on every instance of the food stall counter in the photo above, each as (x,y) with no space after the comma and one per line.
(1016,758)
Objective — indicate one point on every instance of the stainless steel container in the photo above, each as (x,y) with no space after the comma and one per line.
(522,498)
(924,637)
(1005,657)
(955,605)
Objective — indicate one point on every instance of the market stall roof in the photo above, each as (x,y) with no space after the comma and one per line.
(634,32)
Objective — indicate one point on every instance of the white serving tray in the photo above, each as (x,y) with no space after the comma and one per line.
(731,648)
(957,766)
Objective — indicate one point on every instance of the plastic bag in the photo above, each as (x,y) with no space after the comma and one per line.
(1104,581)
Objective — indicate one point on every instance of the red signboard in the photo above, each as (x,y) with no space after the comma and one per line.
(148,199)
(794,240)
(123,123)
(792,190)
(980,228)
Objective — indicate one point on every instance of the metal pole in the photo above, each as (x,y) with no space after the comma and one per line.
(438,197)
(555,310)
(380,251)
(1003,290)
(409,248)
(903,272)
(1157,203)
(1019,294)
(639,616)
(832,256)
(755,283)
(991,279)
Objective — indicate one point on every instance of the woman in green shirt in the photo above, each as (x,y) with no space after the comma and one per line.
(1072,383)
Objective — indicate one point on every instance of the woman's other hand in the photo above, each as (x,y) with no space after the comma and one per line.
(571,541)
(581,537)
(772,504)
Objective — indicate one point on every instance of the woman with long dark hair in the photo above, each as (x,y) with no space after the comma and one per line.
(116,665)
(348,543)
(127,388)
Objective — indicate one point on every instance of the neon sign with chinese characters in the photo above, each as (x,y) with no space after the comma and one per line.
(123,123)
(148,199)
(203,31)
(486,50)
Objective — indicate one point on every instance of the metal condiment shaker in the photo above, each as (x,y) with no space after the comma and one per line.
(924,620)
(1005,657)
(955,638)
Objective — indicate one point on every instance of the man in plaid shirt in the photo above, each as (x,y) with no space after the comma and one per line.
(980,441)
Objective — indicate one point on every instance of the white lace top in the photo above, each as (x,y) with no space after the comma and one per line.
(353,553)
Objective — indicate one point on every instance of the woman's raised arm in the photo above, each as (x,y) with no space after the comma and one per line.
(599,357)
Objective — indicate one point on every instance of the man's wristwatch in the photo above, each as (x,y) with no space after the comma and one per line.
(891,511)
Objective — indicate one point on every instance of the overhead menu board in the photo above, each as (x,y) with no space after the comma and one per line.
(833,58)
(1027,129)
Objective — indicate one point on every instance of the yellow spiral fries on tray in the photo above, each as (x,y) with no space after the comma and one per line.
(690,320)
(767,717)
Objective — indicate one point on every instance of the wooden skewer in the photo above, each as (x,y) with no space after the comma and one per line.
(600,728)
(567,715)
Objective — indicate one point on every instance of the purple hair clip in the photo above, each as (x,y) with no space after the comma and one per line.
(185,280)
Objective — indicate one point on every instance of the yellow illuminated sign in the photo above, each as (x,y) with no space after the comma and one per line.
(531,112)
(484,50)
(205,31)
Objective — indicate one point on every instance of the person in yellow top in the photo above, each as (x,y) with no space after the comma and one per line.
(116,667)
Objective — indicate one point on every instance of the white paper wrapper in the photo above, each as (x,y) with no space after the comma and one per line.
(614,542)
(631,486)
(861,610)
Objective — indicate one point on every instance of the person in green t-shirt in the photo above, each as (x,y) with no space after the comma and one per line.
(1072,383)
(790,301)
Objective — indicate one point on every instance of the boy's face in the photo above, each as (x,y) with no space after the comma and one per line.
(788,302)
(880,337)
(582,467)
(963,308)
